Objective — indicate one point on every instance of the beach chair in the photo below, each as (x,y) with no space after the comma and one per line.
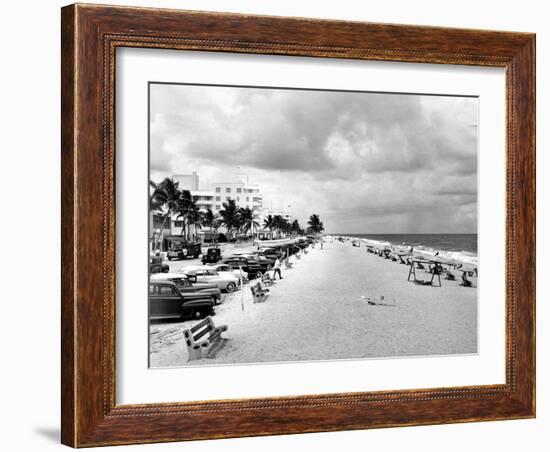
(288,264)
(207,347)
(259,294)
(450,276)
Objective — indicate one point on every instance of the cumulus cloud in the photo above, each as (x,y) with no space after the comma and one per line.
(366,162)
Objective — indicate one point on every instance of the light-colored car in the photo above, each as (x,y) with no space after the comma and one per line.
(226,270)
(185,286)
(206,274)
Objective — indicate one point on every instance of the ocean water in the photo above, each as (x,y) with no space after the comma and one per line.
(443,242)
(462,247)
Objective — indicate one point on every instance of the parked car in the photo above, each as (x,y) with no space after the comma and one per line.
(185,286)
(250,266)
(227,283)
(212,256)
(225,270)
(166,301)
(178,248)
(271,252)
(265,262)
(157,266)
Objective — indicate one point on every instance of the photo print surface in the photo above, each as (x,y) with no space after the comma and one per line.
(301,225)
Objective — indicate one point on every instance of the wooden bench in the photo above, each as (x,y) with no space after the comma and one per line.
(267,279)
(208,345)
(258,293)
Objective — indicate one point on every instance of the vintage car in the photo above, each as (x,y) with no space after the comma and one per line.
(255,256)
(157,266)
(250,266)
(270,252)
(212,256)
(185,286)
(178,248)
(166,301)
(206,274)
(225,270)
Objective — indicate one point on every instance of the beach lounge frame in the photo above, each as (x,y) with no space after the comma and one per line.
(90,36)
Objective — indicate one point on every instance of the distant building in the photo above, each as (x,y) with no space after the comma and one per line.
(187,181)
(212,195)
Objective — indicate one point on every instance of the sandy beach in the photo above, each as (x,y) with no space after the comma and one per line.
(317,313)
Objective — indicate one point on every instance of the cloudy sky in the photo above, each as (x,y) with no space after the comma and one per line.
(365,162)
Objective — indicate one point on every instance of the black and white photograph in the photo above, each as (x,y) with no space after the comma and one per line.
(299,225)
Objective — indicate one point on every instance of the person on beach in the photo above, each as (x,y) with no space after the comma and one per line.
(277,268)
(465,281)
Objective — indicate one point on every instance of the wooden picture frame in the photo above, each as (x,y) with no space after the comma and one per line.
(90,36)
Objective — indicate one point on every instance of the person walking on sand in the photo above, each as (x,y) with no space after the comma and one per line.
(277,268)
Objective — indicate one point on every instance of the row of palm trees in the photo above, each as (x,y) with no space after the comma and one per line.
(277,224)
(169,199)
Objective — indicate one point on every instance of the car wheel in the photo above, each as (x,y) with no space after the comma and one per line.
(231,287)
(259,275)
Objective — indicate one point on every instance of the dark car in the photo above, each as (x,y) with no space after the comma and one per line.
(271,253)
(212,256)
(257,257)
(302,243)
(184,285)
(178,248)
(157,266)
(250,266)
(166,301)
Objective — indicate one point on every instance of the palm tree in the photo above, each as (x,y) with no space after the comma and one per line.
(193,217)
(280,224)
(295,227)
(209,220)
(268,224)
(166,195)
(248,219)
(229,216)
(315,224)
(184,210)
(154,202)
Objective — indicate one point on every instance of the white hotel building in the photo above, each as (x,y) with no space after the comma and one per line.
(213,195)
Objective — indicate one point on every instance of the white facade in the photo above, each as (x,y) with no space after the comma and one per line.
(244,195)
(187,181)
(214,194)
